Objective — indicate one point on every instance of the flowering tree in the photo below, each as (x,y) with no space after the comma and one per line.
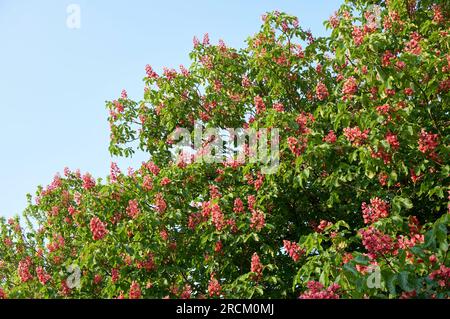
(358,206)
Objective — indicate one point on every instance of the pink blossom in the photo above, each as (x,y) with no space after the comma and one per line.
(375,210)
(376,243)
(358,35)
(330,137)
(238,206)
(278,107)
(206,39)
(246,82)
(150,73)
(334,20)
(257,221)
(214,287)
(3,294)
(88,181)
(133,208)
(354,135)
(187,291)
(297,146)
(349,88)
(321,91)
(317,291)
(256,266)
(391,138)
(153,168)
(427,142)
(217,217)
(114,172)
(115,274)
(135,291)
(293,249)
(147,183)
(160,203)
(98,228)
(413,45)
(259,104)
(24,269)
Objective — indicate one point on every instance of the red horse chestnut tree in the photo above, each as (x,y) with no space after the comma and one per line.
(358,205)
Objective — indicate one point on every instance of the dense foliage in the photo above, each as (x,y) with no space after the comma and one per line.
(359,206)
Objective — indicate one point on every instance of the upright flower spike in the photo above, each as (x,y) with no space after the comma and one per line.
(98,228)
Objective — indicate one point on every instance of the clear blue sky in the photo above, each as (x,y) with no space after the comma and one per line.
(54,80)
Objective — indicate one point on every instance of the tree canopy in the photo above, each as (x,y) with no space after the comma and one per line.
(358,206)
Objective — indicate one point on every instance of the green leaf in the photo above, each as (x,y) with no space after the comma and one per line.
(405,282)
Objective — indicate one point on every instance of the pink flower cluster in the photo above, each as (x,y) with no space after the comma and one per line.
(24,269)
(98,228)
(297,146)
(358,35)
(334,20)
(238,206)
(187,292)
(349,88)
(150,73)
(256,267)
(135,291)
(114,172)
(438,16)
(303,120)
(214,287)
(170,74)
(392,139)
(88,181)
(115,275)
(442,276)
(217,217)
(376,243)
(257,221)
(160,203)
(321,91)
(147,264)
(377,209)
(218,246)
(404,242)
(383,109)
(97,279)
(427,142)
(133,208)
(413,45)
(355,135)
(245,81)
(259,104)
(382,179)
(317,291)
(57,243)
(293,249)
(153,168)
(279,107)
(381,154)
(387,57)
(147,183)
(330,137)
(324,224)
